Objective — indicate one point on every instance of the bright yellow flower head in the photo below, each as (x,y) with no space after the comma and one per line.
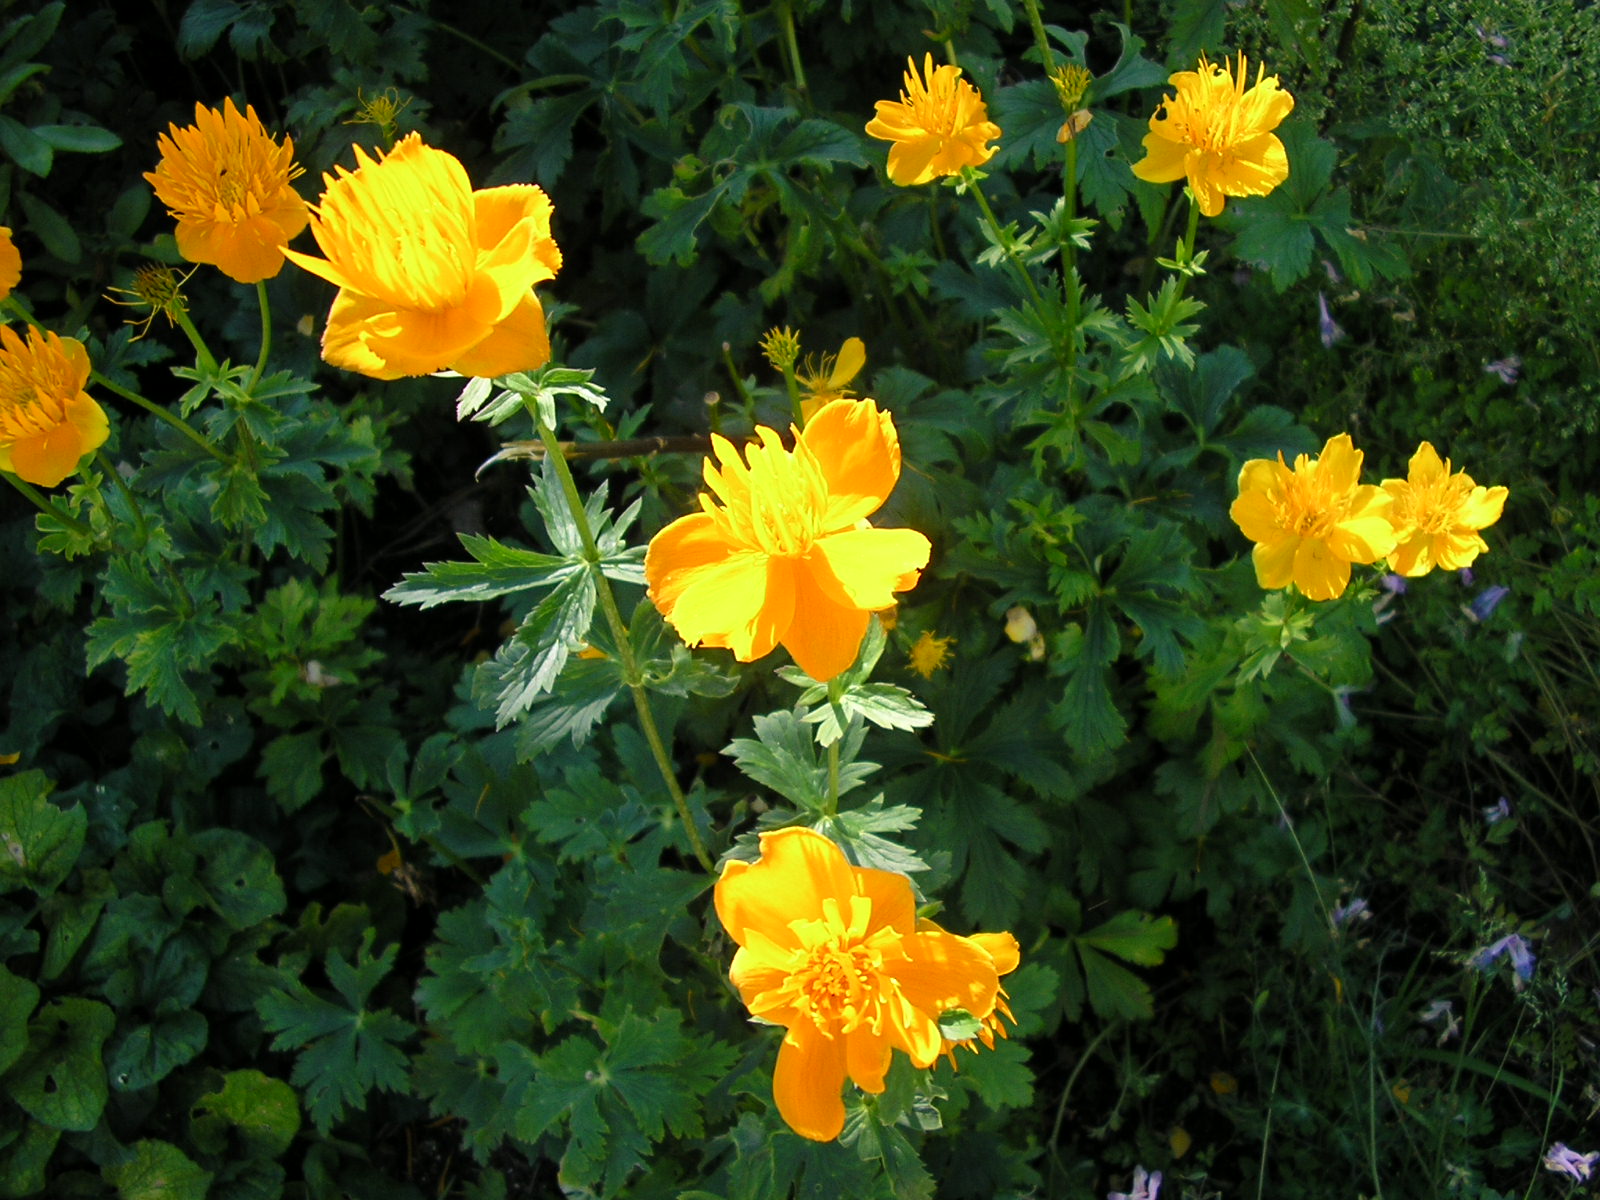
(1437,515)
(787,558)
(834,954)
(10,263)
(937,126)
(1310,523)
(1217,134)
(47,421)
(930,653)
(823,383)
(431,274)
(226,183)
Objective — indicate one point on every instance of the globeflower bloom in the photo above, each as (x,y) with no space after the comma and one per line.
(47,421)
(431,274)
(939,125)
(1437,515)
(823,382)
(834,954)
(226,183)
(10,264)
(1217,134)
(781,553)
(1312,522)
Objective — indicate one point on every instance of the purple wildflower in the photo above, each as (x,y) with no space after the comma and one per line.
(1486,601)
(1326,325)
(1570,1163)
(1442,1013)
(1348,912)
(1466,575)
(1497,812)
(1509,367)
(1514,944)
(1146,1186)
(1394,583)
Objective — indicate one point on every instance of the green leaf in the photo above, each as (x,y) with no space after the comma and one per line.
(60,1080)
(1115,991)
(856,832)
(25,147)
(23,1162)
(1001,1077)
(262,1112)
(54,230)
(18,998)
(346,1049)
(784,757)
(79,139)
(292,764)
(39,842)
(151,1052)
(158,1171)
(1134,937)
(236,877)
(529,663)
(497,570)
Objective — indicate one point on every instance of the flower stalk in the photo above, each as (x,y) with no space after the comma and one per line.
(619,634)
(155,410)
(266,337)
(969,179)
(47,506)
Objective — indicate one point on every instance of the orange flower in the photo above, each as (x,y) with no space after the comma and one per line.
(10,263)
(47,421)
(1004,952)
(834,954)
(937,126)
(787,557)
(431,274)
(226,182)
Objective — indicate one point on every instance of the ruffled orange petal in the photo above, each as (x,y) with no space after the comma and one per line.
(863,568)
(520,342)
(825,635)
(798,870)
(858,450)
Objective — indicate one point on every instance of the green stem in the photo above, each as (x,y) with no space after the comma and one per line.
(110,469)
(1040,38)
(208,362)
(46,505)
(970,178)
(619,634)
(266,336)
(792,386)
(155,410)
(1186,249)
(790,46)
(482,47)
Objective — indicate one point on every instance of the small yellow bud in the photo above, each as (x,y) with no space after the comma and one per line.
(1020,626)
(782,347)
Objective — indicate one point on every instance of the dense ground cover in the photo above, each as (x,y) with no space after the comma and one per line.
(370,827)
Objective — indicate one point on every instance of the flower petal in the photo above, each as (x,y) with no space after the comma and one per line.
(863,568)
(824,635)
(807,1081)
(858,450)
(1274,561)
(519,342)
(1318,571)
(798,870)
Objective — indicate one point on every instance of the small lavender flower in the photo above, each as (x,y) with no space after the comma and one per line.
(1343,913)
(1497,812)
(1485,602)
(1326,325)
(1394,584)
(1442,1013)
(1514,944)
(1578,1167)
(1465,576)
(1509,367)
(1146,1186)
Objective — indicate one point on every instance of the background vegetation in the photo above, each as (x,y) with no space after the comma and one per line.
(288,911)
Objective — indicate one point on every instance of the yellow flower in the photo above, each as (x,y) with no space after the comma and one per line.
(787,558)
(937,126)
(10,263)
(47,421)
(834,954)
(1437,515)
(226,182)
(1311,523)
(1217,134)
(781,347)
(929,653)
(157,289)
(431,274)
(824,382)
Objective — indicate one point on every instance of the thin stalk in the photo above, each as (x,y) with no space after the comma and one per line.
(137,509)
(792,386)
(155,410)
(971,180)
(208,362)
(619,634)
(47,506)
(482,47)
(1066,1090)
(266,336)
(1186,251)
(790,46)
(1040,38)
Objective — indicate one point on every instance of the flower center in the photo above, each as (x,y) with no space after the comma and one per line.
(837,978)
(776,502)
(23,411)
